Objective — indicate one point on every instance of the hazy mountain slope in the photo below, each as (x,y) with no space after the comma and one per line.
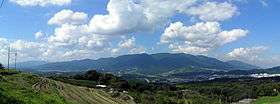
(184,60)
(76,65)
(28,64)
(273,70)
(242,65)
(143,63)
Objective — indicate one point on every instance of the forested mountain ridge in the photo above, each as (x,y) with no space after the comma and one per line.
(145,63)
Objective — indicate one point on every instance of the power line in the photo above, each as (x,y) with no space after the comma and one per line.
(2,3)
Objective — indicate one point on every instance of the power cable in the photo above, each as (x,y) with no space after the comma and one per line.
(2,3)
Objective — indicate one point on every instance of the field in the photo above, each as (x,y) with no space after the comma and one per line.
(23,88)
(268,100)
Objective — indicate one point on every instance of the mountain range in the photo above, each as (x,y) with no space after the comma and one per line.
(29,64)
(144,63)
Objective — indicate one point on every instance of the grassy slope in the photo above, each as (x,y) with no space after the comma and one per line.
(268,100)
(25,88)
(18,89)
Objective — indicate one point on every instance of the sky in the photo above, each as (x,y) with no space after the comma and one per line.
(63,30)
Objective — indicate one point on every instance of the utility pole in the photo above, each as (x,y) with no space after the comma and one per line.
(16,60)
(9,50)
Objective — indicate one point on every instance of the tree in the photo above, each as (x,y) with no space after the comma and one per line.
(92,75)
(1,66)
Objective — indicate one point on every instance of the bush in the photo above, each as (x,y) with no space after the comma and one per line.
(1,66)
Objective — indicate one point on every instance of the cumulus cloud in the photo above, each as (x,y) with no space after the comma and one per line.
(124,16)
(257,55)
(127,16)
(42,3)
(213,11)
(67,16)
(76,36)
(248,54)
(28,49)
(66,35)
(40,35)
(3,42)
(3,49)
(71,39)
(199,38)
(128,45)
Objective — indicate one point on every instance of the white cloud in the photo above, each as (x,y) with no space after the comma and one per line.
(158,12)
(3,49)
(75,37)
(199,38)
(127,16)
(232,35)
(40,35)
(66,35)
(248,54)
(95,42)
(128,43)
(137,50)
(28,50)
(264,2)
(124,17)
(254,55)
(67,16)
(3,42)
(128,46)
(213,11)
(42,3)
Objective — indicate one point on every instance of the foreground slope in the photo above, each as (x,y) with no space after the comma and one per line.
(22,88)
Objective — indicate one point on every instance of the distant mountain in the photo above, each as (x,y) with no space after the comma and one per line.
(273,70)
(241,65)
(29,64)
(142,63)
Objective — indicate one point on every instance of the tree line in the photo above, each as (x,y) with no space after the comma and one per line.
(2,66)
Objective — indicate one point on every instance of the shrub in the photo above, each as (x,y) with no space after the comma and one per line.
(1,66)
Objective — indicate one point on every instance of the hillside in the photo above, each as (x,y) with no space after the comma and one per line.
(241,65)
(23,88)
(142,63)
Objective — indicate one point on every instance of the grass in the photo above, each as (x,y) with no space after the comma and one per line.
(268,100)
(23,88)
(17,88)
(8,72)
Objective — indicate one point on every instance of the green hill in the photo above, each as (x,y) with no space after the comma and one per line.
(24,88)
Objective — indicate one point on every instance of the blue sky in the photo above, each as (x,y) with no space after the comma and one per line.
(257,20)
